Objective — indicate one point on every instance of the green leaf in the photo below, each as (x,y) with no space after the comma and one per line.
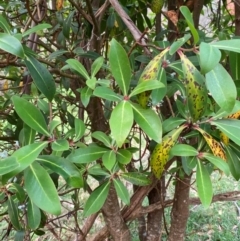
(234,61)
(30,115)
(87,154)
(8,164)
(67,24)
(102,137)
(179,43)
(121,122)
(86,94)
(149,121)
(109,159)
(218,162)
(221,87)
(19,236)
(56,54)
(145,86)
(136,178)
(79,128)
(4,24)
(64,168)
(233,162)
(13,213)
(36,28)
(229,127)
(91,83)
(25,156)
(97,170)
(96,66)
(229,45)
(41,77)
(60,145)
(187,15)
(204,184)
(122,191)
(41,189)
(96,199)
(18,190)
(107,94)
(183,150)
(33,215)
(120,66)
(124,156)
(77,66)
(172,123)
(209,57)
(29,134)
(53,124)
(11,45)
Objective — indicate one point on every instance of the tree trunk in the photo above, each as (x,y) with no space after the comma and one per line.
(180,209)
(237,18)
(198,5)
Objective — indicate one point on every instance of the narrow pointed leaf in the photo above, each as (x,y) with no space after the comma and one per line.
(102,137)
(96,199)
(233,162)
(11,45)
(4,24)
(77,66)
(136,178)
(30,115)
(67,24)
(8,164)
(183,150)
(221,87)
(79,128)
(41,77)
(122,191)
(204,185)
(36,28)
(33,215)
(29,134)
(107,94)
(121,121)
(149,121)
(120,66)
(109,159)
(229,45)
(218,162)
(230,127)
(96,66)
(41,189)
(179,43)
(13,213)
(234,61)
(87,154)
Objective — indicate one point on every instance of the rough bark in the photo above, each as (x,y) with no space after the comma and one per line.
(198,5)
(180,209)
(237,18)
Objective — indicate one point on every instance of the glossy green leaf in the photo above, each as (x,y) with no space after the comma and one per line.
(209,57)
(25,156)
(233,162)
(53,125)
(13,213)
(28,134)
(230,127)
(218,162)
(30,115)
(183,150)
(120,66)
(122,191)
(33,215)
(172,123)
(56,54)
(109,159)
(107,94)
(77,66)
(19,236)
(67,24)
(43,106)
(234,61)
(79,128)
(8,164)
(64,168)
(149,121)
(221,87)
(124,156)
(60,145)
(41,77)
(121,122)
(86,94)
(229,45)
(4,24)
(91,83)
(97,170)
(41,189)
(36,28)
(179,43)
(11,45)
(204,184)
(18,190)
(136,178)
(87,154)
(96,66)
(188,16)
(96,199)
(102,137)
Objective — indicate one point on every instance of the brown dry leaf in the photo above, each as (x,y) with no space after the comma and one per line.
(59,4)
(172,15)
